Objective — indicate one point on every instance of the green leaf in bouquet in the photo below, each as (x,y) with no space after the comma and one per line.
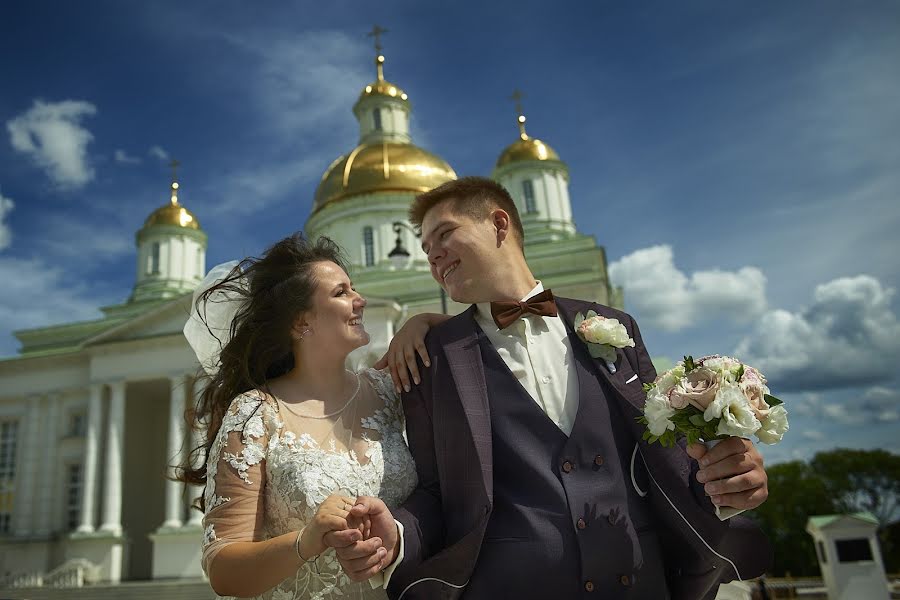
(740,373)
(648,386)
(641,419)
(579,318)
(647,435)
(697,420)
(771,400)
(607,353)
(689,364)
(591,314)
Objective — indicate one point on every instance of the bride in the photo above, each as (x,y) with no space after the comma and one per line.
(291,437)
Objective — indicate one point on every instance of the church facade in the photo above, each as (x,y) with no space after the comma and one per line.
(91,413)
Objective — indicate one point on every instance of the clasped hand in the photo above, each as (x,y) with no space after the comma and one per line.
(362,532)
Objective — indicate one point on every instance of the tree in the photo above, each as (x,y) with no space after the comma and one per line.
(862,480)
(834,482)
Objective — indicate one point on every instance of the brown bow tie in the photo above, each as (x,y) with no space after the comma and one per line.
(506,313)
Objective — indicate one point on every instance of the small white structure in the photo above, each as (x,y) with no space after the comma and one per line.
(849,556)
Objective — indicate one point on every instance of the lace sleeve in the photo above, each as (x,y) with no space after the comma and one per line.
(236,478)
(384,387)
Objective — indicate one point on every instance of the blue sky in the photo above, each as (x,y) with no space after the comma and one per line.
(739,161)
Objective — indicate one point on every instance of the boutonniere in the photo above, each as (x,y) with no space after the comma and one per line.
(602,336)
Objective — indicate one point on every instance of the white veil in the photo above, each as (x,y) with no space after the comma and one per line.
(208,328)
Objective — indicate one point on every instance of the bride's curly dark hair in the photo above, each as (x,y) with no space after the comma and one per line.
(276,287)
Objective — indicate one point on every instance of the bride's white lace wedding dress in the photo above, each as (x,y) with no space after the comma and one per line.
(271,466)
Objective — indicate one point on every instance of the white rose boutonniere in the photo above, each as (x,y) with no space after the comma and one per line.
(602,336)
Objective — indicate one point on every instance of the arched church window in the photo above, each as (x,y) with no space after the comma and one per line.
(376,117)
(153,266)
(528,192)
(369,246)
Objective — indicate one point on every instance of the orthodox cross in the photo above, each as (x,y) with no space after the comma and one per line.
(376,33)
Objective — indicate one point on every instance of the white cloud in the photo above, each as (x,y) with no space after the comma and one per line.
(813,434)
(99,241)
(665,297)
(6,206)
(158,152)
(52,135)
(124,158)
(849,336)
(306,82)
(37,294)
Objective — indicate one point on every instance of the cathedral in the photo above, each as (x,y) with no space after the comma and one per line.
(91,413)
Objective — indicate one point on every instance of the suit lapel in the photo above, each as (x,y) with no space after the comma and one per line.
(463,354)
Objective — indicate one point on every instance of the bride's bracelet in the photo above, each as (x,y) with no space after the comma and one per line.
(297,548)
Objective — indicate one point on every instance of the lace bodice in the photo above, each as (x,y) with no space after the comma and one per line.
(269,456)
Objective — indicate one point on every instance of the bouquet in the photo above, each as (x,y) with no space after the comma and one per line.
(709,399)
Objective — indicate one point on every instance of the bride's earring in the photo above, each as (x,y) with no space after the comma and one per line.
(303,334)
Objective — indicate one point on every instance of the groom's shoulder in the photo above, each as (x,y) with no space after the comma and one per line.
(574,305)
(455,327)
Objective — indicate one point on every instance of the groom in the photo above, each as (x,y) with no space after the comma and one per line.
(533,481)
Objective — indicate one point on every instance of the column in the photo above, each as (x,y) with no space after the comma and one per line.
(91,446)
(27,469)
(47,499)
(195,517)
(179,389)
(112,498)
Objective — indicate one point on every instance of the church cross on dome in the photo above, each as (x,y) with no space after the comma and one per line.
(376,33)
(517,98)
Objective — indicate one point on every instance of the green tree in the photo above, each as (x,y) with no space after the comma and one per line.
(796,493)
(861,480)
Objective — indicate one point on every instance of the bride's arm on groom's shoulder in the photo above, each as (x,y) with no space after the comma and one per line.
(406,348)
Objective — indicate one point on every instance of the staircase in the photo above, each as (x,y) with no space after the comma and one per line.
(178,589)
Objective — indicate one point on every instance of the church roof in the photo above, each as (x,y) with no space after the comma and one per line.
(382,167)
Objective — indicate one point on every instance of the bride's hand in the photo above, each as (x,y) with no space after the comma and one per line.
(332,515)
(400,357)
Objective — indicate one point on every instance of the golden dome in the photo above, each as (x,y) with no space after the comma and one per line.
(173,213)
(527,149)
(382,167)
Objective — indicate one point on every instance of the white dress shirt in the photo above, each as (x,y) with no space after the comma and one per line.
(538,353)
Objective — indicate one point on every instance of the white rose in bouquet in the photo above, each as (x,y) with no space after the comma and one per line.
(658,412)
(774,426)
(733,411)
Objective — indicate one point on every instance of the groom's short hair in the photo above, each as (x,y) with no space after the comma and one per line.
(474,197)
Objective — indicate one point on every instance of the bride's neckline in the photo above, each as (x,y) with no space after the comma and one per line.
(289,405)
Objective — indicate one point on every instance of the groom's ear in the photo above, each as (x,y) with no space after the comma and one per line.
(501,222)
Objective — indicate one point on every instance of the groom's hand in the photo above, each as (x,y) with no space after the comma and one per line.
(732,473)
(361,559)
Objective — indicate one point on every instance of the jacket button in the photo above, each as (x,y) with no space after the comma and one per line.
(581,524)
(567,467)
(625,580)
(598,460)
(589,586)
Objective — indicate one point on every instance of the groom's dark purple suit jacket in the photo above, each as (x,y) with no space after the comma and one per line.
(448,421)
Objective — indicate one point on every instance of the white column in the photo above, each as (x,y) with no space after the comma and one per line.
(27,471)
(195,517)
(91,445)
(177,399)
(112,497)
(47,499)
